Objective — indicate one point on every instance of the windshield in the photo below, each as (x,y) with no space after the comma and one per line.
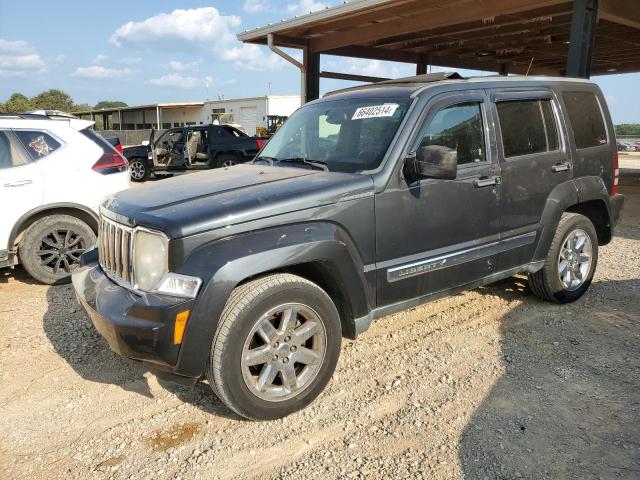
(342,135)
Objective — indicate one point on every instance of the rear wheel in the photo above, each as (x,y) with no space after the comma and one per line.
(51,247)
(570,263)
(276,347)
(139,168)
(227,160)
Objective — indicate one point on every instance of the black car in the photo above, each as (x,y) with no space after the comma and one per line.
(191,148)
(366,202)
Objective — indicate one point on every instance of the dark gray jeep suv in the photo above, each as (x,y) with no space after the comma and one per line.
(368,201)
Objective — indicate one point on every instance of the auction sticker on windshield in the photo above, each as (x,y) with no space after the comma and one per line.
(375,111)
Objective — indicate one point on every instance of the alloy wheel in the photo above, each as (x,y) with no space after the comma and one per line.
(574,260)
(60,250)
(283,352)
(138,170)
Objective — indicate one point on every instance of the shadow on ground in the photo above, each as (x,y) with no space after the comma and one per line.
(75,339)
(568,405)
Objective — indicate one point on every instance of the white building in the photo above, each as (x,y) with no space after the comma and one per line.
(250,113)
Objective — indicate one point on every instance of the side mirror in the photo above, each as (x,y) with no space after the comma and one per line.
(436,161)
(145,143)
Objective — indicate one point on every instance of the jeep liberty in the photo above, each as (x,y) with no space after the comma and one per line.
(371,200)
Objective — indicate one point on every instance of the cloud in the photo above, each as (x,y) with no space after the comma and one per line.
(99,72)
(175,80)
(372,68)
(303,7)
(255,6)
(253,57)
(179,30)
(177,66)
(99,58)
(18,58)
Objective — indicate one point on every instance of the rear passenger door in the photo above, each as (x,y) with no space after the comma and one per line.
(534,160)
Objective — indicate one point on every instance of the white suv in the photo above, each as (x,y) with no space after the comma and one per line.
(54,170)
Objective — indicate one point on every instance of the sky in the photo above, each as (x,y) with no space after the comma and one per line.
(148,51)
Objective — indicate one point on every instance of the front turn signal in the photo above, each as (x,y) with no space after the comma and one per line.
(179,326)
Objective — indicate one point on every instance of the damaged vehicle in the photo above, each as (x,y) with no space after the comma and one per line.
(366,202)
(191,148)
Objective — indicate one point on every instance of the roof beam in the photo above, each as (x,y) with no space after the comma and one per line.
(453,13)
(624,12)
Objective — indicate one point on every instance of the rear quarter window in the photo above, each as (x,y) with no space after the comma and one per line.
(39,144)
(586,118)
(98,139)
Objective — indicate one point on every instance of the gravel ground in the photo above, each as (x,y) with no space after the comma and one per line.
(492,383)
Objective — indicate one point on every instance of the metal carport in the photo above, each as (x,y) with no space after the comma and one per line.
(575,38)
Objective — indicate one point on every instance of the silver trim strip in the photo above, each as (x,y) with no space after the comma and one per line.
(456,258)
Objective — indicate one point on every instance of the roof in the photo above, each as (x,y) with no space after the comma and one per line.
(248,99)
(407,86)
(519,35)
(150,106)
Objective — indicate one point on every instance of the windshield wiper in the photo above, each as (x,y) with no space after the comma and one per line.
(314,163)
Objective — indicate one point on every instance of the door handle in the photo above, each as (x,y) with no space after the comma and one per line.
(19,183)
(486,182)
(560,167)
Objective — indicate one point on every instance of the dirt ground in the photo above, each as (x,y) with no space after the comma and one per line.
(492,383)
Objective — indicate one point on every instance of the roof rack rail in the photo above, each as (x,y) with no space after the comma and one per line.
(425,78)
(39,115)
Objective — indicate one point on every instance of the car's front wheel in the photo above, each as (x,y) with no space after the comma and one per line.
(276,346)
(50,249)
(140,170)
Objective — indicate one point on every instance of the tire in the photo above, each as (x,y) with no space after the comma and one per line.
(227,160)
(139,168)
(547,283)
(62,230)
(237,384)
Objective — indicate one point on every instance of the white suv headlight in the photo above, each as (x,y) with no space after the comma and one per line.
(150,258)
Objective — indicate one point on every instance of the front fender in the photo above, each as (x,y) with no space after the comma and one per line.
(226,263)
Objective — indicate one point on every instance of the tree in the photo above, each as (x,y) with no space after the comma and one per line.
(53,100)
(17,103)
(628,129)
(109,104)
(81,107)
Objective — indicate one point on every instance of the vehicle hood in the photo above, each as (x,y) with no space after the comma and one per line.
(211,199)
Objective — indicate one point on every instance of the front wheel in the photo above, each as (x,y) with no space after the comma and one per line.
(570,263)
(276,347)
(140,170)
(51,247)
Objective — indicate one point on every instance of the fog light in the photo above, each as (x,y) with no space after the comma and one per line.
(178,285)
(179,326)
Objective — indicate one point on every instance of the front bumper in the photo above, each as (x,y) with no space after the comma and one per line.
(135,326)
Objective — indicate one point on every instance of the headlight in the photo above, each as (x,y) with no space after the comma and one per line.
(150,258)
(178,285)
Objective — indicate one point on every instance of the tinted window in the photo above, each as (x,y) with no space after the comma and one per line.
(527,127)
(457,127)
(586,119)
(98,140)
(11,152)
(38,144)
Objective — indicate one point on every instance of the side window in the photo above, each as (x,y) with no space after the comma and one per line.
(587,121)
(457,127)
(38,144)
(527,126)
(11,152)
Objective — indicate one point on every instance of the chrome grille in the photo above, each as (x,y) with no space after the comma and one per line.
(115,251)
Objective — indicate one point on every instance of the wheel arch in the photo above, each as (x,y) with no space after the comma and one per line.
(73,209)
(320,252)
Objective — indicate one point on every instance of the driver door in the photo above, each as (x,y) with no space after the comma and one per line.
(169,150)
(434,234)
